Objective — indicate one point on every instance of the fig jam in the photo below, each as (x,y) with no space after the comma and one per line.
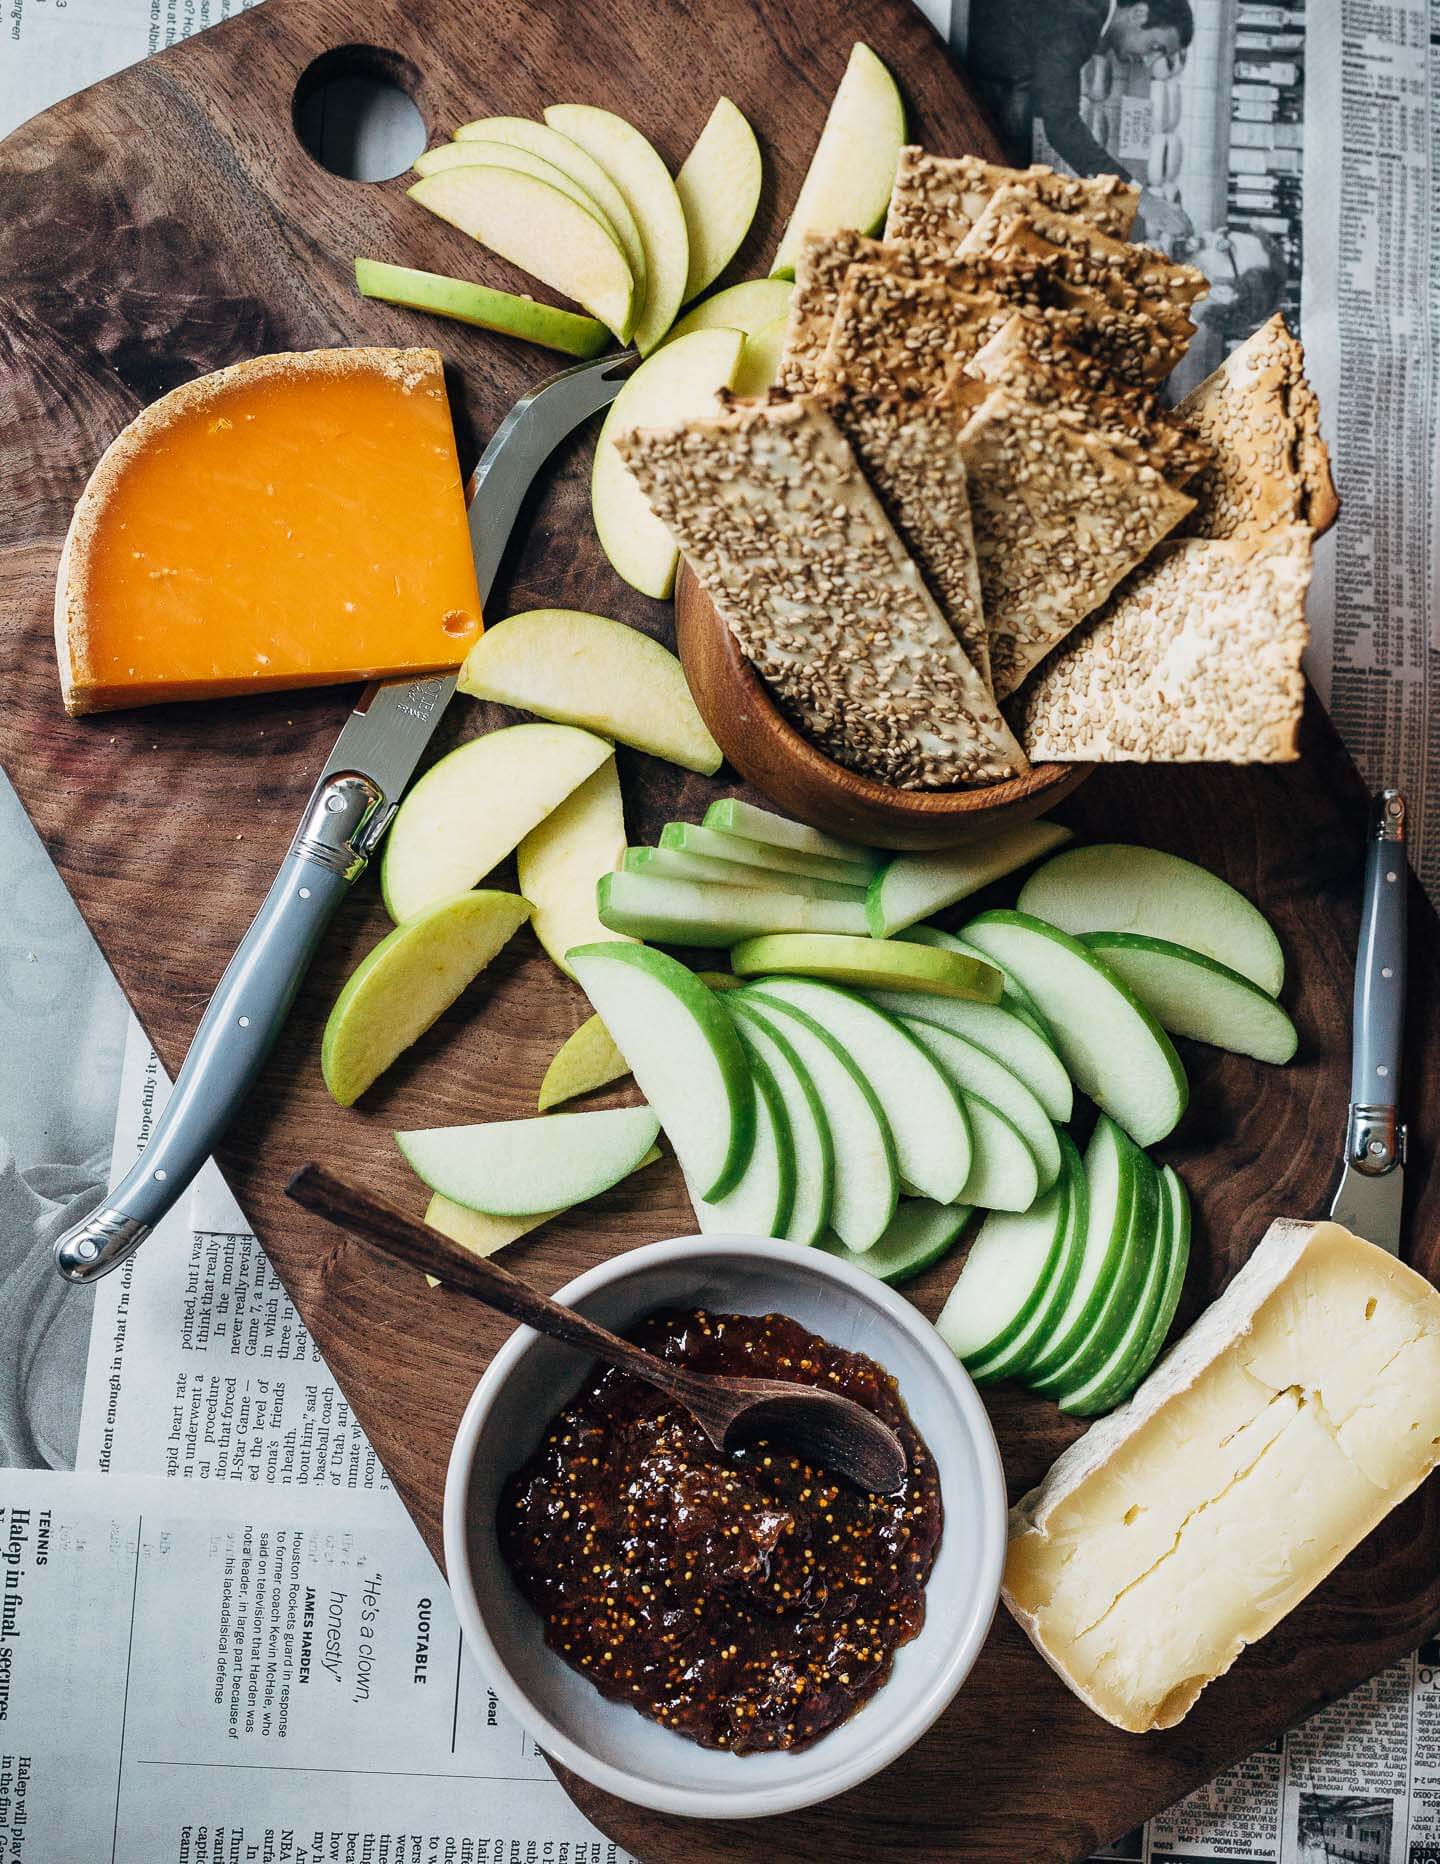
(746,1599)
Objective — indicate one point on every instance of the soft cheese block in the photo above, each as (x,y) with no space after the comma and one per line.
(1295,1413)
(291,521)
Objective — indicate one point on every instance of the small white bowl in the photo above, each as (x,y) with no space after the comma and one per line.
(613,1746)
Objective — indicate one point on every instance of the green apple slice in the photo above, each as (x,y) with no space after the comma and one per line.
(560,861)
(919,1233)
(1119,1370)
(468,303)
(719,189)
(921,1105)
(475,805)
(814,1154)
(747,307)
(686,912)
(1112,1178)
(734,816)
(772,861)
(541,230)
(849,959)
(1013,1359)
(524,162)
(866,1184)
(1013,994)
(560,152)
(408,981)
(1192,995)
(1005,1277)
(676,864)
(674,385)
(912,886)
(1112,1047)
(640,175)
(761,1203)
(975,1072)
(1177,1198)
(684,1053)
(1114,887)
(760,359)
(588,670)
(482,1234)
(585,1060)
(507,1167)
(852,171)
(1125,1290)
(1000,1033)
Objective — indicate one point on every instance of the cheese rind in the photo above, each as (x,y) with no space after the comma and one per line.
(1298,1410)
(294,520)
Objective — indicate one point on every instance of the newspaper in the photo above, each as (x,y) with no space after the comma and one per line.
(209,1593)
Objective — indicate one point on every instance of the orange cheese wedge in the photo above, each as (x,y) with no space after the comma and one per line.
(291,521)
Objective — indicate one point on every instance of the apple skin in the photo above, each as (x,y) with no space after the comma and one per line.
(501,311)
(585,1060)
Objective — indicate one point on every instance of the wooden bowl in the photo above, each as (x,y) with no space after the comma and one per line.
(770,753)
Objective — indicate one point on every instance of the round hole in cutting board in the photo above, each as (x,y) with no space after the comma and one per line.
(355,113)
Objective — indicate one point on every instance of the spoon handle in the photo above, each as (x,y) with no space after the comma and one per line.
(393,1233)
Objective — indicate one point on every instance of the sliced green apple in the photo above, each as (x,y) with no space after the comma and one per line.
(481,1234)
(409,980)
(678,864)
(679,382)
(507,1167)
(559,863)
(468,303)
(640,175)
(912,886)
(1000,1033)
(760,359)
(1005,1276)
(918,1235)
(524,162)
(571,160)
(867,963)
(684,1053)
(1114,887)
(1192,995)
(719,189)
(1013,994)
(866,1183)
(475,805)
(1112,1178)
(687,912)
(585,1060)
(732,815)
(921,1104)
(1112,1047)
(747,307)
(588,670)
(1118,1371)
(541,230)
(772,861)
(814,1153)
(1013,1359)
(852,171)
(761,1203)
(976,1072)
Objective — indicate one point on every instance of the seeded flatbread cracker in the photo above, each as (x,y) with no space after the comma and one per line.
(772,511)
(910,453)
(824,260)
(1269,468)
(1029,357)
(937,198)
(1059,519)
(1196,659)
(898,331)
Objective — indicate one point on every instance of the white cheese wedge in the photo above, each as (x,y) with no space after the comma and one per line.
(1297,1411)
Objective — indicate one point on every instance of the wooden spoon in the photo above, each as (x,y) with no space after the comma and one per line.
(822,1426)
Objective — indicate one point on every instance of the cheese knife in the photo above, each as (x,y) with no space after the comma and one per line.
(349,810)
(1372,1182)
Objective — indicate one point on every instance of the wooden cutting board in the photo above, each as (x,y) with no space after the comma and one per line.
(168,222)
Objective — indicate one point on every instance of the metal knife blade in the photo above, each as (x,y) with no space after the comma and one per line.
(1371,1194)
(393,720)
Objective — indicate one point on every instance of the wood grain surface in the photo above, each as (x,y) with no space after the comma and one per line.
(168,222)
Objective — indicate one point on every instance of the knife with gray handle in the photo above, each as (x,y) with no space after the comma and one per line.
(348,812)
(1372,1183)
